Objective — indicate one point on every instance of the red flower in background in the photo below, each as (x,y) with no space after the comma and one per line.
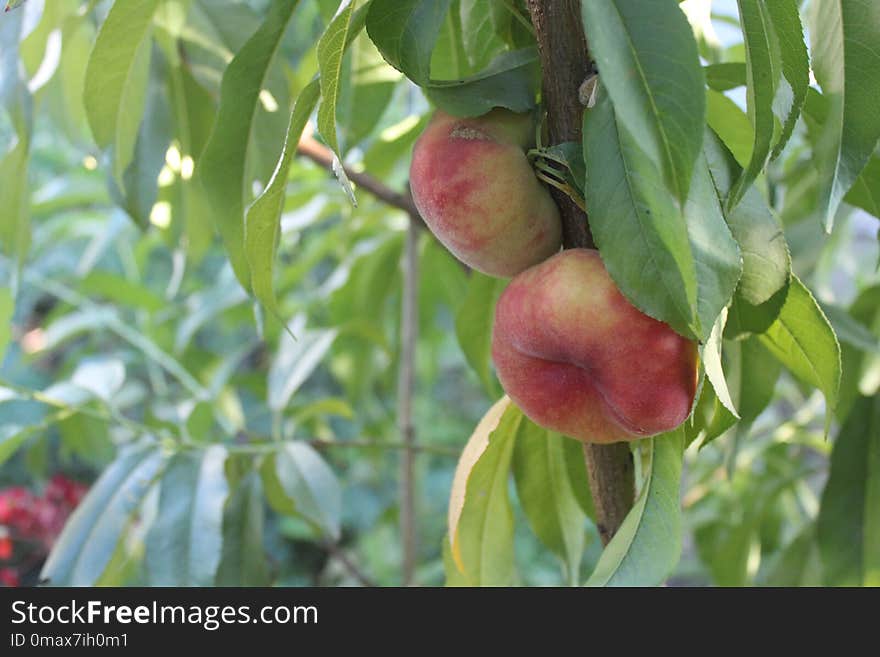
(8,577)
(29,523)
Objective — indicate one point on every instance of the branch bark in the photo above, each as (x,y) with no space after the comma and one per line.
(566,63)
(323,156)
(409,322)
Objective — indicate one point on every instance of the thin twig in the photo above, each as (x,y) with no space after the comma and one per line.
(323,156)
(405,388)
(339,554)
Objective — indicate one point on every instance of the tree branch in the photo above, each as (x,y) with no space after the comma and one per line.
(566,63)
(323,156)
(405,385)
(339,554)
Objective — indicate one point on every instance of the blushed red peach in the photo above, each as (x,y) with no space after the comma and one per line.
(579,359)
(477,192)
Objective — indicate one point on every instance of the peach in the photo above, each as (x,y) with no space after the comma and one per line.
(477,192)
(579,359)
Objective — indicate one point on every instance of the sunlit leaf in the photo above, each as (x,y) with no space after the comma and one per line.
(647,57)
(647,547)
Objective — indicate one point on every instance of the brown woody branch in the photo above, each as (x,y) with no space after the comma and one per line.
(323,156)
(566,63)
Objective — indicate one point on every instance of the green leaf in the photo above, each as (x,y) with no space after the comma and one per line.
(12,436)
(648,60)
(804,342)
(725,76)
(223,165)
(547,495)
(715,253)
(479,36)
(777,71)
(721,420)
(865,192)
(509,81)
(184,543)
(798,564)
(758,376)
(263,219)
(299,482)
(647,547)
(122,291)
(194,112)
(731,124)
(711,353)
(295,361)
(849,517)
(764,74)
(858,330)
(89,539)
(66,104)
(366,92)
(473,325)
(751,375)
(766,259)
(7,310)
(843,35)
(746,319)
(635,223)
(449,59)
(15,102)
(680,268)
(849,330)
(244,559)
(786,22)
(406,31)
(15,227)
(454,577)
(116,79)
(331,47)
(140,189)
(484,534)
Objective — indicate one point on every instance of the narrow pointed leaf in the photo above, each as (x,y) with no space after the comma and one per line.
(766,258)
(244,559)
(849,517)
(405,31)
(299,482)
(802,339)
(90,537)
(263,220)
(846,61)
(764,76)
(546,494)
(116,79)
(483,530)
(184,544)
(647,547)
(331,47)
(648,60)
(223,166)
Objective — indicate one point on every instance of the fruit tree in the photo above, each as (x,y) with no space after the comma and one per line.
(474,292)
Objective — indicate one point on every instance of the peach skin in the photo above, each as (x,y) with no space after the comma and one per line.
(477,192)
(579,359)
